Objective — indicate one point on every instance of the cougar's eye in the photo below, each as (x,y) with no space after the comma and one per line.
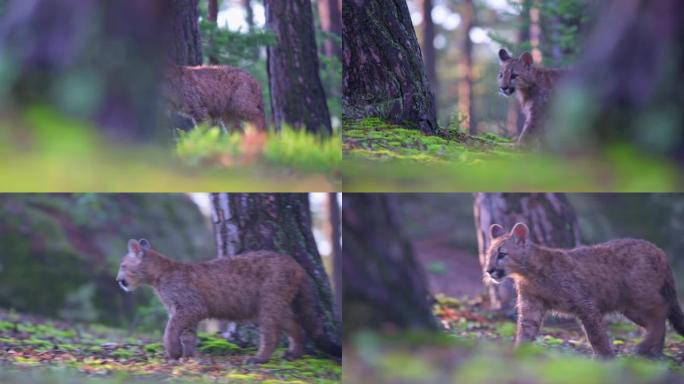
(513,76)
(500,75)
(501,255)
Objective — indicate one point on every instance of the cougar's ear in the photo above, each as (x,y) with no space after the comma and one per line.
(134,248)
(145,244)
(520,232)
(526,58)
(495,230)
(503,55)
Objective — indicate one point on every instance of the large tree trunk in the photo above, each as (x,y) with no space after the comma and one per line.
(428,46)
(297,96)
(384,286)
(629,82)
(549,216)
(383,72)
(186,48)
(94,60)
(331,21)
(465,86)
(281,223)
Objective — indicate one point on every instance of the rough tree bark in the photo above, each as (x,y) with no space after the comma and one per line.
(628,82)
(550,217)
(281,223)
(383,72)
(465,85)
(428,46)
(331,21)
(297,96)
(384,286)
(110,49)
(186,48)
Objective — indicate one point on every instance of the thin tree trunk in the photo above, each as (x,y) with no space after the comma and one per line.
(550,217)
(297,96)
(212,17)
(514,120)
(336,240)
(465,88)
(53,43)
(186,48)
(249,11)
(384,286)
(428,46)
(535,32)
(282,223)
(383,71)
(331,21)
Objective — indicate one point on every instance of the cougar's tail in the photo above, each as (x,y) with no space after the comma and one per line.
(305,307)
(674,314)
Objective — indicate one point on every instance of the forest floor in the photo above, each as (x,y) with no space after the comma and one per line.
(58,153)
(37,350)
(380,157)
(476,345)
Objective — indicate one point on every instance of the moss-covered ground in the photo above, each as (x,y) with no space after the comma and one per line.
(477,347)
(384,157)
(36,350)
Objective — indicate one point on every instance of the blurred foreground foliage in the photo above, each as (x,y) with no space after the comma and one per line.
(477,348)
(380,157)
(33,350)
(60,154)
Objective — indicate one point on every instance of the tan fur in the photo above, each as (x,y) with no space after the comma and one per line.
(627,276)
(532,86)
(264,286)
(219,93)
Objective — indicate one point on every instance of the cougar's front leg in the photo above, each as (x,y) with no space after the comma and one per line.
(530,318)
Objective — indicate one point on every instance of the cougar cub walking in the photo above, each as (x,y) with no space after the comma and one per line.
(628,276)
(264,286)
(532,86)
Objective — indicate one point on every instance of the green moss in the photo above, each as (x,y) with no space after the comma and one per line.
(218,346)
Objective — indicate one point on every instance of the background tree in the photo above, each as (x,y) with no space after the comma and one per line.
(97,61)
(626,86)
(384,286)
(336,240)
(297,96)
(465,86)
(281,223)
(428,45)
(331,22)
(383,72)
(550,217)
(212,17)
(185,44)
